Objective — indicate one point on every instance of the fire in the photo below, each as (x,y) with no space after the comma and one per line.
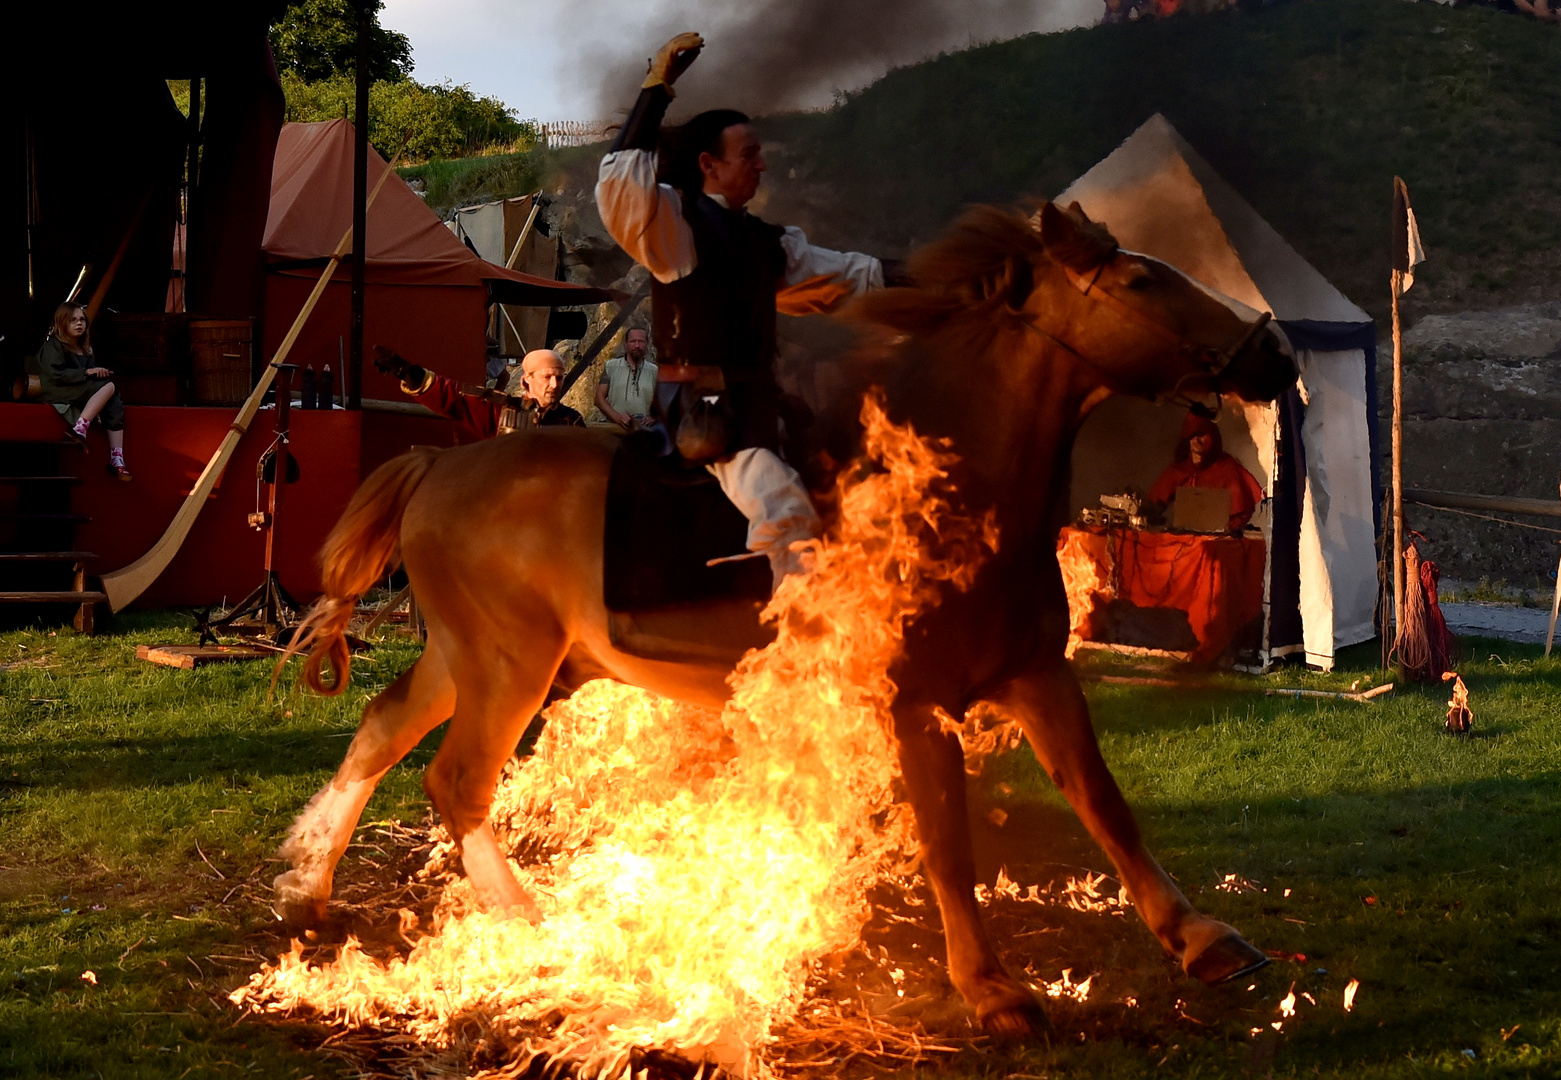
(1459,715)
(694,865)
(1087,589)
(1081,894)
(1349,994)
(1065,987)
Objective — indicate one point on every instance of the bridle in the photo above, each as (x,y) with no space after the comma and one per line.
(1209,361)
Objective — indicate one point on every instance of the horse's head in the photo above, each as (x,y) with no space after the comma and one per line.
(1144,326)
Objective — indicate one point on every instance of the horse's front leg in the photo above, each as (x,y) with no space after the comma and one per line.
(1051,708)
(933,765)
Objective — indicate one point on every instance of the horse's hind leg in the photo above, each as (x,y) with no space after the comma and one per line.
(1050,707)
(498,696)
(393,723)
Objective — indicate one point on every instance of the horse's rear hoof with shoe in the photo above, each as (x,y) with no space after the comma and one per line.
(294,905)
(1018,1019)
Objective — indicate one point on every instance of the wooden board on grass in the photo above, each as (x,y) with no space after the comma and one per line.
(189,657)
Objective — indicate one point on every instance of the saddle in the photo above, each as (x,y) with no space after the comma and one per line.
(666,522)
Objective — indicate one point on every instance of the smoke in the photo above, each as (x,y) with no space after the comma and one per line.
(776,55)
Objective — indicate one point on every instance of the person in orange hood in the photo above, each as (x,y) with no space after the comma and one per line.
(1201,461)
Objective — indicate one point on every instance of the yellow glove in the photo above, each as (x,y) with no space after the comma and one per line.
(672,60)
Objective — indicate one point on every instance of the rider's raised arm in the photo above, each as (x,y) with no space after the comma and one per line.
(646,218)
(804,260)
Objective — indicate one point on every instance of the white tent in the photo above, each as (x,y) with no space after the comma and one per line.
(1312,450)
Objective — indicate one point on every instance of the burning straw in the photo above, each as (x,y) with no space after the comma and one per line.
(696,864)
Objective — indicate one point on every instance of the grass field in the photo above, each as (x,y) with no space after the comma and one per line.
(141,807)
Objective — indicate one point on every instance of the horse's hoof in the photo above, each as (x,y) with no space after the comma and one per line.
(1225,958)
(1015,1019)
(295,906)
(525,909)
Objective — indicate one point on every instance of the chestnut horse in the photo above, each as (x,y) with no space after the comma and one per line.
(1016,328)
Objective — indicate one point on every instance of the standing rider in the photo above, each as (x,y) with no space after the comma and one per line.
(716,271)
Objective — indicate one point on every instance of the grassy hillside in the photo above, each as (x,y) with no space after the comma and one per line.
(1308,108)
(467,181)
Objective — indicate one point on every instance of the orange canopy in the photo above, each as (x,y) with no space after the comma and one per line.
(311,207)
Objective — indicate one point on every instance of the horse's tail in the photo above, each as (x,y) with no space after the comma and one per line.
(363,543)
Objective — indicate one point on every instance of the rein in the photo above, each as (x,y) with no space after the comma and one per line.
(1210,360)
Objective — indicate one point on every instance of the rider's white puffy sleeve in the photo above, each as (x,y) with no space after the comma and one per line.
(646,218)
(803,261)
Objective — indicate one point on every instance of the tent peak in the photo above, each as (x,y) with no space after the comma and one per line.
(1159,196)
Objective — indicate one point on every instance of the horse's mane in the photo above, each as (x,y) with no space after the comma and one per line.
(981,268)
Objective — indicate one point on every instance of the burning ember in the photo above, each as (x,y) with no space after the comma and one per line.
(691,866)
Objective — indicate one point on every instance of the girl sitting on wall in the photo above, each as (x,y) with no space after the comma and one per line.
(78,389)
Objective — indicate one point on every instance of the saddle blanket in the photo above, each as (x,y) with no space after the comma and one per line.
(665,521)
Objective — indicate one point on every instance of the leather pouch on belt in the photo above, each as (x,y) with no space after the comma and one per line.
(704,430)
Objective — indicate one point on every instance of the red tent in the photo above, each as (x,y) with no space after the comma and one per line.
(427,294)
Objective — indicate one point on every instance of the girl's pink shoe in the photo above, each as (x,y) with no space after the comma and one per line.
(116,466)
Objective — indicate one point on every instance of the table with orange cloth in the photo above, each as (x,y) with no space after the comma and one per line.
(1216,579)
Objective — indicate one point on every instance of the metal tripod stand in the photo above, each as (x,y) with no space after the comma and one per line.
(270,609)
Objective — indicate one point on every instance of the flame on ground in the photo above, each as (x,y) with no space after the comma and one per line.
(1081,894)
(1065,987)
(1349,994)
(696,864)
(1087,588)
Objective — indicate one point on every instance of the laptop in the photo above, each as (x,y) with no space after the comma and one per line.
(1201,509)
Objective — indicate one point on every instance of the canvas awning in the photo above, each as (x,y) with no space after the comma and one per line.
(311,206)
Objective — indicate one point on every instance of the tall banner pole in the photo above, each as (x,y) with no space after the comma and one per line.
(1398,464)
(1407,253)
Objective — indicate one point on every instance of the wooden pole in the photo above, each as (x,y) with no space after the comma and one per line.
(360,187)
(100,293)
(124,585)
(1555,609)
(509,264)
(1398,465)
(584,362)
(525,232)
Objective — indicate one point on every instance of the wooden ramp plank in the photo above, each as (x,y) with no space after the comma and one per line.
(188,657)
(47,556)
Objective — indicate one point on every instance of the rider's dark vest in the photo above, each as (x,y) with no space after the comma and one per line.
(723,314)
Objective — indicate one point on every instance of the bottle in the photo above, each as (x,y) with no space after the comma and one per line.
(325,393)
(307,389)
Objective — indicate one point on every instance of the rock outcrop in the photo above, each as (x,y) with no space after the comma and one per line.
(1482,414)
